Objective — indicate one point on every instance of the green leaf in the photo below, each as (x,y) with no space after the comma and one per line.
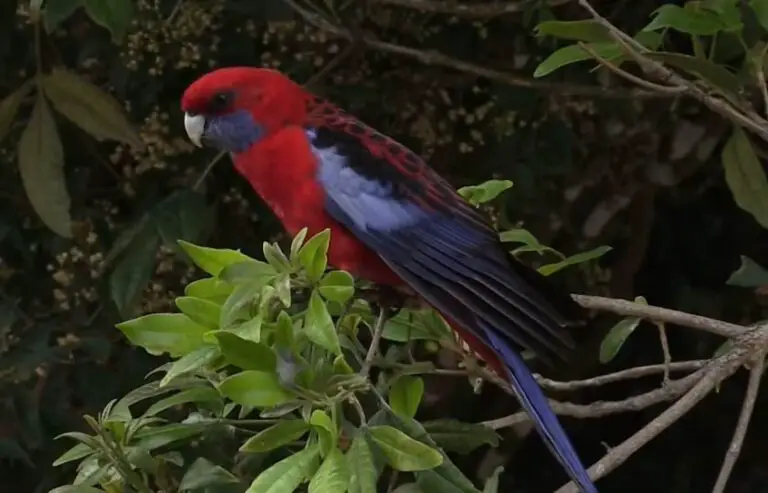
(258,389)
(160,436)
(41,165)
(213,260)
(283,289)
(337,286)
(403,452)
(197,395)
(326,430)
(579,258)
(760,8)
(520,235)
(415,325)
(10,105)
(455,436)
(238,305)
(249,271)
(332,476)
(134,271)
(202,311)
(408,488)
(280,434)
(250,329)
(76,488)
(246,354)
(485,192)
(575,53)
(205,474)
(708,71)
(616,338)
(89,107)
(492,483)
(584,30)
(275,257)
(405,395)
(210,288)
(285,476)
(750,274)
(57,11)
(183,215)
(157,333)
(745,176)
(114,15)
(363,474)
(319,327)
(690,20)
(77,452)
(190,363)
(313,256)
(296,245)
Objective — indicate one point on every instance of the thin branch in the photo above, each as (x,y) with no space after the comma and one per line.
(675,389)
(438,59)
(664,349)
(630,309)
(734,449)
(630,77)
(373,349)
(470,10)
(760,71)
(718,370)
(629,374)
(656,69)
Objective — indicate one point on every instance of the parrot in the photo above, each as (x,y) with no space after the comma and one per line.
(393,221)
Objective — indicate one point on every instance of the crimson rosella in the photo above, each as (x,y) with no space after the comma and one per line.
(393,221)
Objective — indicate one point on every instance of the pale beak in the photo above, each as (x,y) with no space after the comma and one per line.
(195,126)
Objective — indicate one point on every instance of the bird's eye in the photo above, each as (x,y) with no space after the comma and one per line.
(221,101)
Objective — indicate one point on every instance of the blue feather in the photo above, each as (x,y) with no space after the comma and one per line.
(233,132)
(443,249)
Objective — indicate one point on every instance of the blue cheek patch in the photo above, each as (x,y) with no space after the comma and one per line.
(235,132)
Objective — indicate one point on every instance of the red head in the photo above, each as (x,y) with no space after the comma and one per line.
(233,108)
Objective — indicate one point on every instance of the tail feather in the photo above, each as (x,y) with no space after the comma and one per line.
(534,401)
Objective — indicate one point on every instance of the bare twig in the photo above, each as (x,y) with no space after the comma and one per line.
(675,389)
(664,349)
(470,10)
(635,50)
(439,59)
(630,309)
(760,72)
(629,374)
(755,376)
(373,349)
(718,370)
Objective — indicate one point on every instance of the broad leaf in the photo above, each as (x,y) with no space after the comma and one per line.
(616,338)
(203,474)
(326,430)
(41,165)
(745,176)
(115,15)
(319,326)
(276,436)
(9,106)
(332,476)
(485,192)
(750,274)
(200,310)
(584,30)
(363,474)
(257,389)
(174,333)
(190,363)
(579,258)
(690,20)
(337,286)
(403,452)
(286,475)
(246,354)
(134,271)
(405,395)
(313,256)
(89,107)
(213,260)
(456,436)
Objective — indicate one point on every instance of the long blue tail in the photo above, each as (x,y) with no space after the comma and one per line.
(535,403)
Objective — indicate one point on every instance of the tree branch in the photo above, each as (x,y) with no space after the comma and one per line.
(747,119)
(719,369)
(734,449)
(631,309)
(628,374)
(469,10)
(438,59)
